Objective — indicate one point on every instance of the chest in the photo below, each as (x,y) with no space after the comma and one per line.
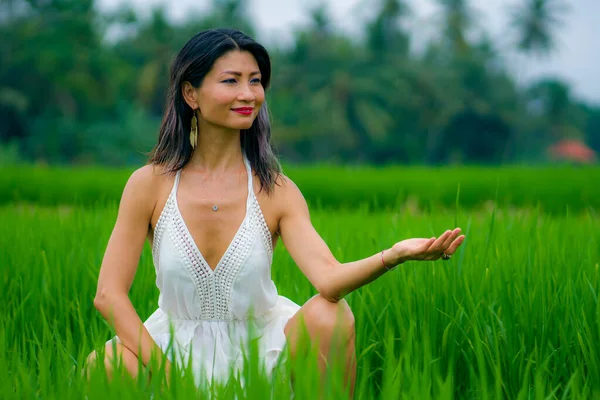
(214,232)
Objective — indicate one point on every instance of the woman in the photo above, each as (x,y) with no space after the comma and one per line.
(213,203)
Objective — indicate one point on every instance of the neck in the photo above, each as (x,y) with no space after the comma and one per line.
(218,150)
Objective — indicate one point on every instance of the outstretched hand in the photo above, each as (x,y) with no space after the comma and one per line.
(420,249)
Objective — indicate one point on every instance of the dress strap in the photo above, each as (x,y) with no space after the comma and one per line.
(176,183)
(250,182)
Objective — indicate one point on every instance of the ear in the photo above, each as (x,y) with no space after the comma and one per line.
(190,95)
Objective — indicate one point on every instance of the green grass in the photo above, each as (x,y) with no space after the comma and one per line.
(514,314)
(549,188)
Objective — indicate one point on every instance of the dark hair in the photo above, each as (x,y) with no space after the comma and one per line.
(192,63)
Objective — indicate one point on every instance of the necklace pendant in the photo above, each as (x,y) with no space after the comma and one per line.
(215,207)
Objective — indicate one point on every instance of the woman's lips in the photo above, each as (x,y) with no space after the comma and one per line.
(243,110)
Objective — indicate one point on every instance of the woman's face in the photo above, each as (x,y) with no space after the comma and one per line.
(231,94)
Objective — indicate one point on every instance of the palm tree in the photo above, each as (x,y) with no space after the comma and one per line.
(458,18)
(383,33)
(535,22)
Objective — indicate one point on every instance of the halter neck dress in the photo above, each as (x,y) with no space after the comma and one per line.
(204,315)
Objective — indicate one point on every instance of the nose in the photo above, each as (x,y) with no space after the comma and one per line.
(246,93)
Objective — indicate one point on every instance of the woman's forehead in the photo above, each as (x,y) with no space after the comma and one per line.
(235,61)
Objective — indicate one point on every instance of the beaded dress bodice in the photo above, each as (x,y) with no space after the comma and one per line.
(190,289)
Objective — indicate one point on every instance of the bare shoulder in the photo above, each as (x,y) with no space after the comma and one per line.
(284,186)
(288,195)
(144,180)
(143,188)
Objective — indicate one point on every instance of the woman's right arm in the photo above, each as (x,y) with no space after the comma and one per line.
(120,264)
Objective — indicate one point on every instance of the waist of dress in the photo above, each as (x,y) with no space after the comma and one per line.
(186,318)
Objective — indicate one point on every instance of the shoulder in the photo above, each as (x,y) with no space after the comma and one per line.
(288,195)
(146,178)
(285,186)
(284,203)
(144,185)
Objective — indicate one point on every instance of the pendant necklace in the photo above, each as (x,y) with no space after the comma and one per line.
(215,207)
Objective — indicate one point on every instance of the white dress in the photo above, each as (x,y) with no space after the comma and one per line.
(210,311)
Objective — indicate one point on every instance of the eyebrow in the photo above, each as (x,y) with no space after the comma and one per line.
(236,73)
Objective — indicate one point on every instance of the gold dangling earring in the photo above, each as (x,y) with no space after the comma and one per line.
(194,131)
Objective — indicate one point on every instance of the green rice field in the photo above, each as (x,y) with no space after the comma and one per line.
(554,190)
(514,314)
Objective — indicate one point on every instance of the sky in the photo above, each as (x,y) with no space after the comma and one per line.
(575,60)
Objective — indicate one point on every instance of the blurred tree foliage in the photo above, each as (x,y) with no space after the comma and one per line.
(70,95)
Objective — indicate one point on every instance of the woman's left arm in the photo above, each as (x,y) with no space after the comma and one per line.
(332,279)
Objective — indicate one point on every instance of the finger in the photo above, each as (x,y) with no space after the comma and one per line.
(424,248)
(453,235)
(428,244)
(438,245)
(454,245)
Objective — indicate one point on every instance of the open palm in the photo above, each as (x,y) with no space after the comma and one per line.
(429,249)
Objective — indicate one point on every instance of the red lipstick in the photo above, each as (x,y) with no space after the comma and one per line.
(244,110)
